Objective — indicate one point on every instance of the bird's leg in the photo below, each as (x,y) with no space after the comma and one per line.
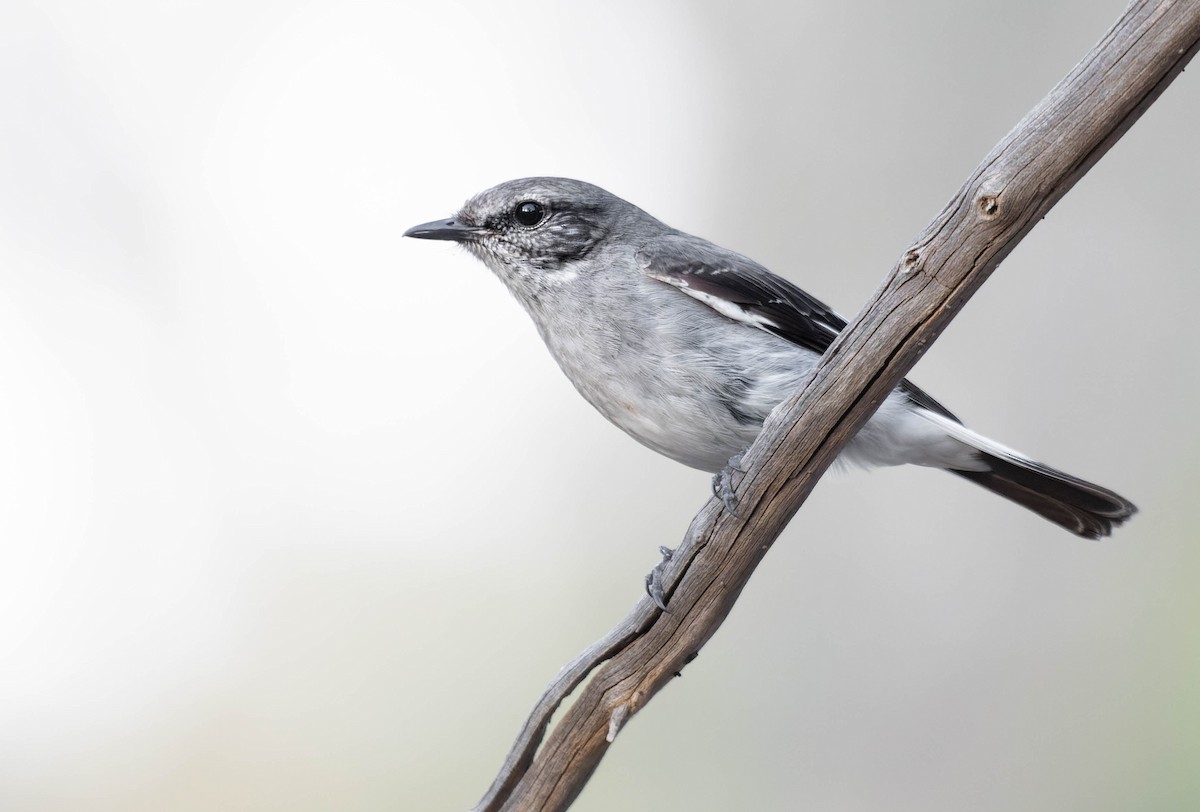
(722,483)
(722,488)
(654,581)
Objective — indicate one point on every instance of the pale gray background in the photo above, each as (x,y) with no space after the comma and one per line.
(296,514)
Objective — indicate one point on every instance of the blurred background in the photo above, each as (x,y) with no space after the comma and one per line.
(297,514)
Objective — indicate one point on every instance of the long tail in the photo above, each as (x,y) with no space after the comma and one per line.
(1085,509)
(1082,507)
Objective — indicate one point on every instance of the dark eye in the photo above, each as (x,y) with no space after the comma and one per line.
(529,214)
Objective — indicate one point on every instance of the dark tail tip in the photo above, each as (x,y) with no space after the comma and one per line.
(1085,509)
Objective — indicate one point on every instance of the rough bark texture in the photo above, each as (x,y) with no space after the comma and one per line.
(1010,191)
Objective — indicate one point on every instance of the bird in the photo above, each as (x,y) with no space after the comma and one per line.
(687,346)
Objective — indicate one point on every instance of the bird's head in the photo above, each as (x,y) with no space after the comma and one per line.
(532,231)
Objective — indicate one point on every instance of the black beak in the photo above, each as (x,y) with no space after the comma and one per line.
(445,230)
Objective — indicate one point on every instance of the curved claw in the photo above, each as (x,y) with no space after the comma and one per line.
(655,587)
(722,484)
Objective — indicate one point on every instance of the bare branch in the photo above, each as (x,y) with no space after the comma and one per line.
(1012,189)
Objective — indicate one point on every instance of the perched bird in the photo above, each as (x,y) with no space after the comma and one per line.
(687,346)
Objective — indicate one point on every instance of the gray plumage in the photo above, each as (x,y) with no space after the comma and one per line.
(687,346)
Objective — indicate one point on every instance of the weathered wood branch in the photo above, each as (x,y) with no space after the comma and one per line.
(1011,190)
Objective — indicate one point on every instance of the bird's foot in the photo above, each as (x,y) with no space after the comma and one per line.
(655,587)
(722,483)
